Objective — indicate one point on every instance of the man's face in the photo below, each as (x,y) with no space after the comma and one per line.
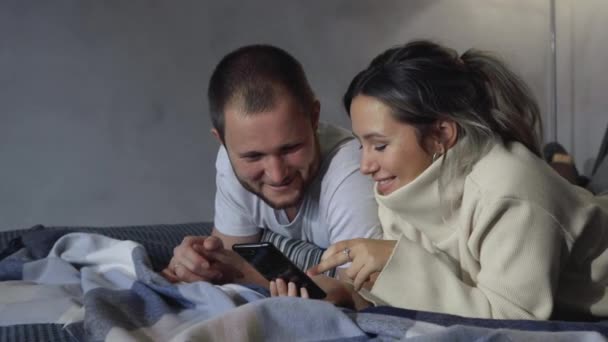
(275,153)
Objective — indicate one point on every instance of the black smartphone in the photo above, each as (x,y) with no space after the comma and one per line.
(272,264)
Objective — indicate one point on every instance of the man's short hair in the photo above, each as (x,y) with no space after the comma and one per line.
(253,76)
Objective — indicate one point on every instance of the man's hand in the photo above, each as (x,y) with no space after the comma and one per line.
(193,261)
(367,257)
(204,258)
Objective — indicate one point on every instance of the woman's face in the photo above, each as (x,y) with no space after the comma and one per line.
(391,154)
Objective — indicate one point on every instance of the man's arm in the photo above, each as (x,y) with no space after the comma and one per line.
(229,240)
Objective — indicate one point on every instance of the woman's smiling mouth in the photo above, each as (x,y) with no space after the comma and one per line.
(385,185)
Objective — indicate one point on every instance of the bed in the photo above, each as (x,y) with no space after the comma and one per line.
(101,284)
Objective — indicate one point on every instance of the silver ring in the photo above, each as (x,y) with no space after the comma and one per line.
(347,252)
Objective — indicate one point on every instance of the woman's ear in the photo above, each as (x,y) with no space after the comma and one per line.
(448,130)
(446,133)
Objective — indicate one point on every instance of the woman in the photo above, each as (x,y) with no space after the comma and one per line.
(475,223)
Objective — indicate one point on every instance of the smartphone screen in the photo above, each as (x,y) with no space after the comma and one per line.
(273,264)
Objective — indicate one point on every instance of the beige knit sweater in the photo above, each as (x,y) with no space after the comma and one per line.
(523,244)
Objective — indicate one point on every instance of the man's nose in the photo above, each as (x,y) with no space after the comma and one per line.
(276,170)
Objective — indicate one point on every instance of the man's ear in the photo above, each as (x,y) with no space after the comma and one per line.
(316,113)
(217,136)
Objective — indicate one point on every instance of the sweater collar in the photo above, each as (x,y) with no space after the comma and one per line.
(421,194)
(419,204)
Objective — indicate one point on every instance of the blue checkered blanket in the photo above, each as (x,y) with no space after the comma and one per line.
(97,288)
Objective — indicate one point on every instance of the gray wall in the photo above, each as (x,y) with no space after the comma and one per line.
(582,81)
(102,111)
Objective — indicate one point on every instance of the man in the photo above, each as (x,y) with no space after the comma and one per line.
(278,168)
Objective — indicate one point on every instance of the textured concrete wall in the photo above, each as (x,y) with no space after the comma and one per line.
(103,117)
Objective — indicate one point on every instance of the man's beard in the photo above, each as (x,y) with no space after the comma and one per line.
(312,172)
(270,203)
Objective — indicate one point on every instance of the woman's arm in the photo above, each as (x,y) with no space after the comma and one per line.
(510,267)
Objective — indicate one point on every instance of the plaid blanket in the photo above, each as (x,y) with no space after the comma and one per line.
(97,288)
(102,289)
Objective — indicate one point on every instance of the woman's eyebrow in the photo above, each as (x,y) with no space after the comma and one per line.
(372,135)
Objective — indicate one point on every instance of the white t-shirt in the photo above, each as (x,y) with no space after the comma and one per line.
(338,204)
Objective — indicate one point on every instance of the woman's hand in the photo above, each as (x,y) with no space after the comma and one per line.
(367,256)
